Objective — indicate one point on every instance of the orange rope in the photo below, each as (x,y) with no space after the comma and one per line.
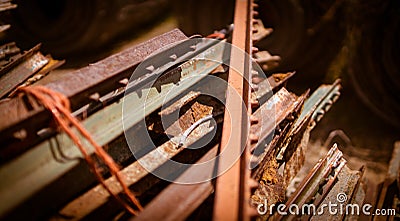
(59,106)
(216,35)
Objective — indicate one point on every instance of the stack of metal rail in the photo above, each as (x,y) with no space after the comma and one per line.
(44,176)
(21,69)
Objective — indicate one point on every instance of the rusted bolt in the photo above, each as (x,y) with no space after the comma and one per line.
(254,103)
(173,57)
(254,87)
(150,68)
(253,138)
(124,81)
(95,96)
(253,119)
(20,134)
(256,79)
(254,73)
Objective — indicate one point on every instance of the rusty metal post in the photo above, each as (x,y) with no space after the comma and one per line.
(231,191)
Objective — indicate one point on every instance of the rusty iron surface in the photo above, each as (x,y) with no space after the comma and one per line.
(101,77)
(272,84)
(7,5)
(104,75)
(280,138)
(51,65)
(311,183)
(21,69)
(295,161)
(135,172)
(16,58)
(346,185)
(189,196)
(6,51)
(231,187)
(390,186)
(330,181)
(278,108)
(272,184)
(104,126)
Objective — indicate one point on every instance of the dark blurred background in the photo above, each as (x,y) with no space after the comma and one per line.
(355,40)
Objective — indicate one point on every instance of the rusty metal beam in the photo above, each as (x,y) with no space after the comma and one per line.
(284,104)
(101,77)
(314,109)
(97,196)
(104,125)
(6,5)
(155,160)
(323,174)
(18,58)
(231,187)
(388,186)
(188,196)
(7,50)
(30,62)
(272,84)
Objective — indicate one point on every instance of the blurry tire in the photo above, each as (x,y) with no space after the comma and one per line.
(374,65)
(304,49)
(65,27)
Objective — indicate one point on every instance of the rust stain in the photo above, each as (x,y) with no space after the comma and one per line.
(270,174)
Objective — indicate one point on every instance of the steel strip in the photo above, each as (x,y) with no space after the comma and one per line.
(101,77)
(231,186)
(37,167)
(20,73)
(188,196)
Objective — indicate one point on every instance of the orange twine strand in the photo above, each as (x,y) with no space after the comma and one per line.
(216,35)
(59,106)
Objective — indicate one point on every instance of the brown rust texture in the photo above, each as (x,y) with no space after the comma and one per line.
(135,172)
(101,77)
(273,193)
(86,80)
(231,190)
(270,174)
(195,113)
(17,75)
(296,160)
(273,112)
(189,113)
(270,186)
(346,184)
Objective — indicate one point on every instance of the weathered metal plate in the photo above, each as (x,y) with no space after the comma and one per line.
(101,77)
(340,194)
(20,73)
(313,181)
(38,167)
(189,196)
